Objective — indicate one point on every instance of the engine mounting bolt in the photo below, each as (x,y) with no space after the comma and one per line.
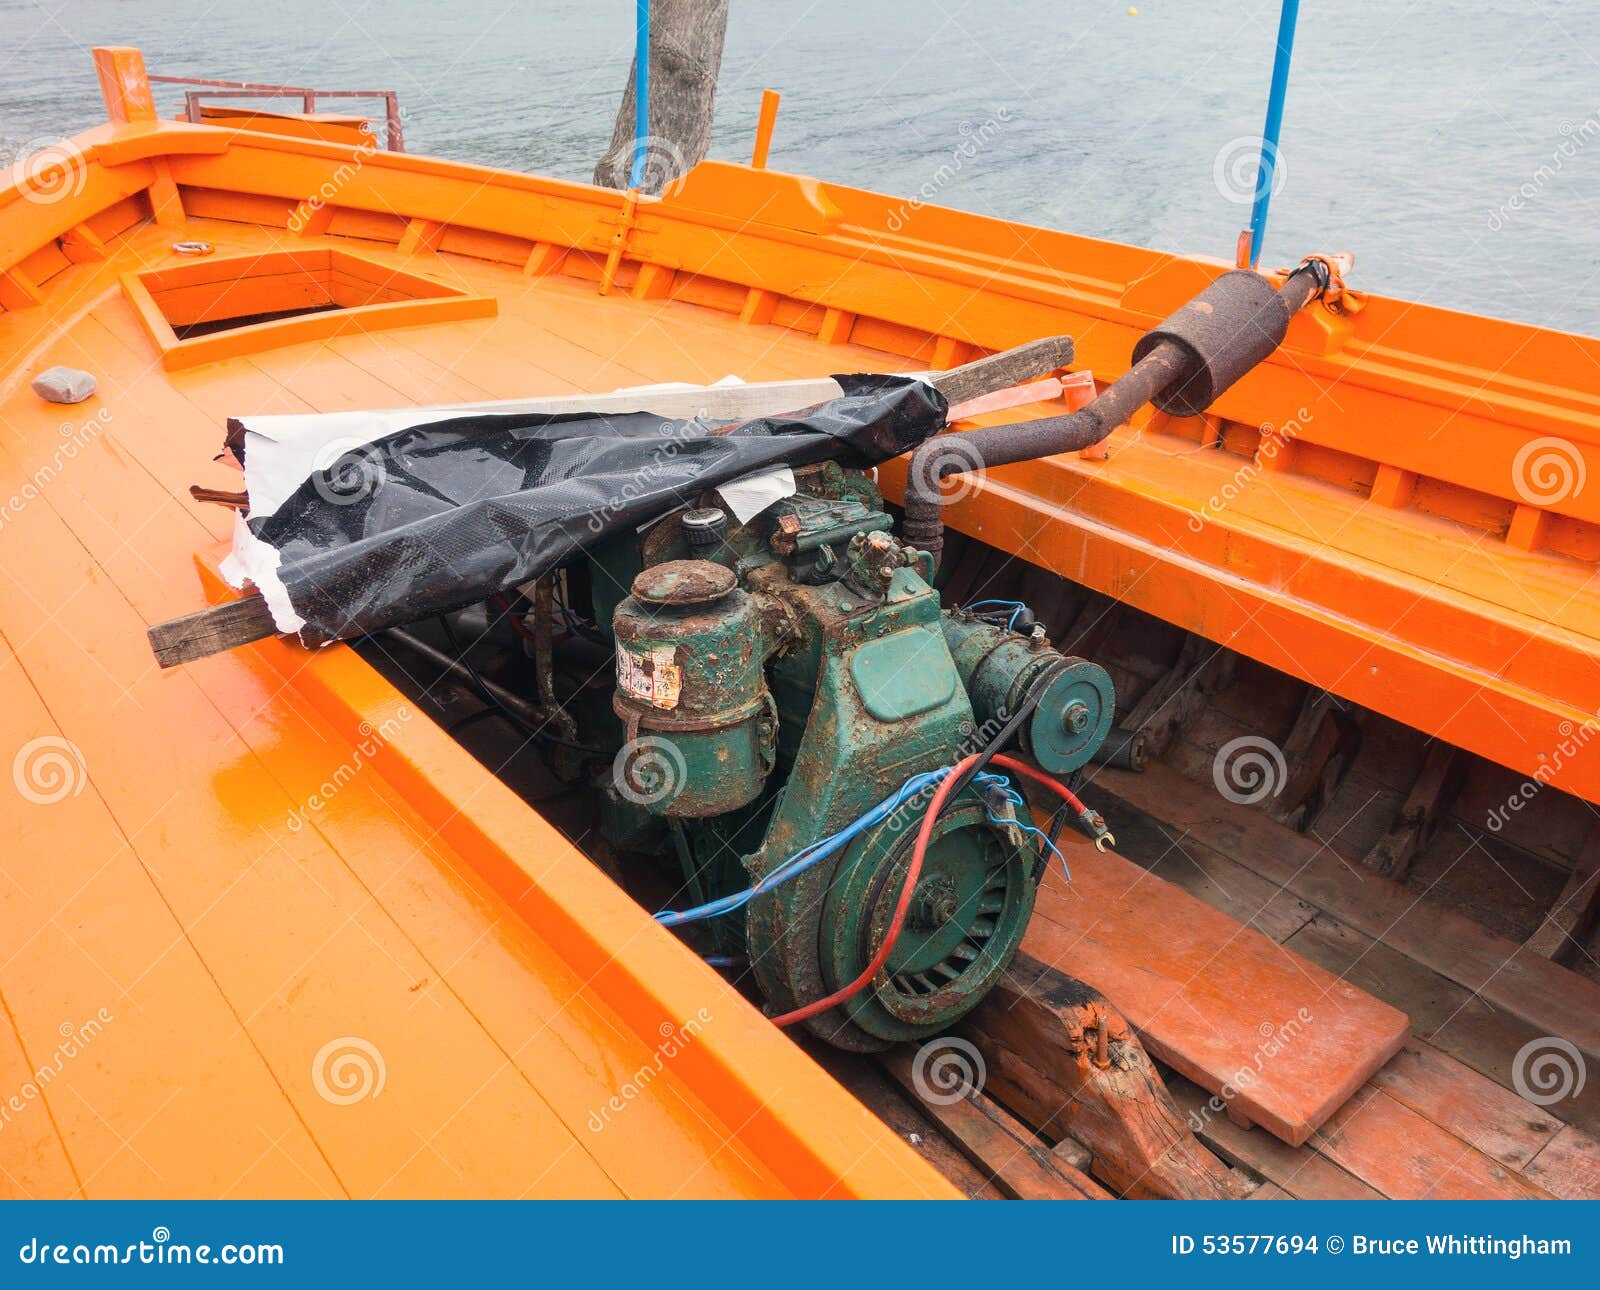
(1076,716)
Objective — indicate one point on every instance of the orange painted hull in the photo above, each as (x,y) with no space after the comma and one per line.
(1372,525)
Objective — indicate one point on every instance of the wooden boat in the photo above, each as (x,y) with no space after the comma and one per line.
(274,930)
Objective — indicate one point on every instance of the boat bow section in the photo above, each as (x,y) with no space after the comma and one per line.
(272,932)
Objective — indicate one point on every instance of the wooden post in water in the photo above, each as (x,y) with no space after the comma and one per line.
(685,58)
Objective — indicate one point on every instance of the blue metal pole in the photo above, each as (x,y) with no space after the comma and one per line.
(1274,125)
(641,88)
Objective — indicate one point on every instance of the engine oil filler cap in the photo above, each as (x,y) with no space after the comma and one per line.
(684,583)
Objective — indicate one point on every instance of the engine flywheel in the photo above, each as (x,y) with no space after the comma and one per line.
(968,911)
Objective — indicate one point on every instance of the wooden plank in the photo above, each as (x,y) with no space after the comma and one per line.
(33,1162)
(1560,936)
(1317,752)
(1569,1167)
(1206,875)
(1444,770)
(211,631)
(1503,1126)
(1214,999)
(1017,1162)
(1178,696)
(1300,1171)
(1408,1157)
(1552,999)
(1450,1017)
(1003,370)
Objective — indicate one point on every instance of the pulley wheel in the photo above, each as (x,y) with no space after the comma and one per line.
(970,907)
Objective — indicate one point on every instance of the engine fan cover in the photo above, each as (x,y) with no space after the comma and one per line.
(968,911)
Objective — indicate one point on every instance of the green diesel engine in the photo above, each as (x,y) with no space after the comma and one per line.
(794,680)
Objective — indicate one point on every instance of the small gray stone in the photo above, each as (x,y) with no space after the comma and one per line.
(64,385)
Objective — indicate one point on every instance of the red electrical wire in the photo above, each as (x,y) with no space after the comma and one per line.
(514,618)
(914,871)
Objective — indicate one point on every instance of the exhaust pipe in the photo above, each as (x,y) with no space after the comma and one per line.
(1182,366)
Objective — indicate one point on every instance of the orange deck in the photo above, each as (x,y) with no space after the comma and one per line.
(198,953)
(171,888)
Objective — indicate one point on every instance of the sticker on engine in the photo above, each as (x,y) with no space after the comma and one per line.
(654,677)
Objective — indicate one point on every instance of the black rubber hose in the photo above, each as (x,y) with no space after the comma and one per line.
(947,455)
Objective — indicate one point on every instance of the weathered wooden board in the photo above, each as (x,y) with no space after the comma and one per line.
(1508,1129)
(1283,1042)
(1017,1162)
(1506,975)
(1569,1167)
(1299,1171)
(1408,1157)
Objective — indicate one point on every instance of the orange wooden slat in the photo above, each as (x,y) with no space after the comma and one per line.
(170,1097)
(1569,1167)
(1501,1125)
(1407,1157)
(207,822)
(1215,1000)
(33,1157)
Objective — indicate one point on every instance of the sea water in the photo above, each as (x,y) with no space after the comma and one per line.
(1454,145)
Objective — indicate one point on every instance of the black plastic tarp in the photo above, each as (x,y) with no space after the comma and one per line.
(448,513)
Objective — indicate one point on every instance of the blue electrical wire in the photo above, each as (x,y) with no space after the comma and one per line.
(1016,799)
(818,851)
(1015,606)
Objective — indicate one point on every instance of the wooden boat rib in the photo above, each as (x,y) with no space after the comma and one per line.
(211,901)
